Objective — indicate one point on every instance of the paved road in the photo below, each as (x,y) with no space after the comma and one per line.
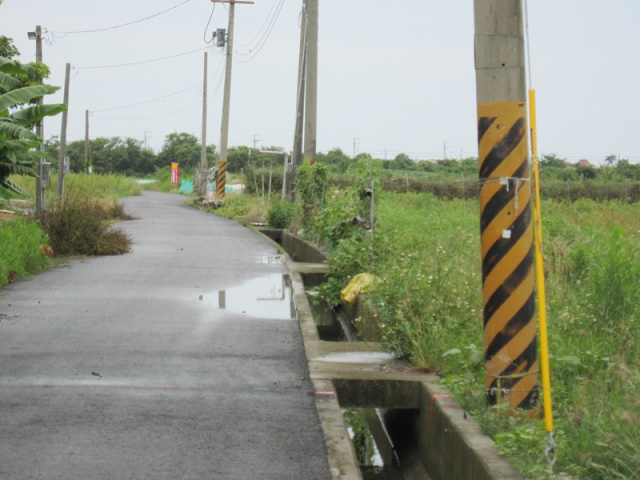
(127,367)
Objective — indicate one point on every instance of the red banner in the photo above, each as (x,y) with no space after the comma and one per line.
(175,173)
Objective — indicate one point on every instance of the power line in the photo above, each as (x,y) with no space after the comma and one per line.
(63,34)
(204,35)
(146,101)
(266,22)
(265,36)
(145,118)
(143,61)
(211,94)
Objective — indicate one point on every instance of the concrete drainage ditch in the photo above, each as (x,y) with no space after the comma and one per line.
(413,428)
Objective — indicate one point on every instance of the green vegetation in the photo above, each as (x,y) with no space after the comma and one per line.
(21,254)
(17,141)
(427,308)
(430,311)
(79,225)
(281,214)
(82,185)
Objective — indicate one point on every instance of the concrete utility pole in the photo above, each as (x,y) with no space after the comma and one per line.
(510,341)
(37,36)
(63,132)
(202,177)
(296,154)
(224,128)
(86,141)
(311,81)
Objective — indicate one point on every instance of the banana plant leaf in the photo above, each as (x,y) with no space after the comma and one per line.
(35,113)
(7,82)
(23,95)
(12,130)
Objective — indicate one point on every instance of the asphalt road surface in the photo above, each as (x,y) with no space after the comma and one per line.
(179,360)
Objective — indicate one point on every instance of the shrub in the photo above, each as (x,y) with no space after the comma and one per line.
(281,214)
(80,226)
(258,180)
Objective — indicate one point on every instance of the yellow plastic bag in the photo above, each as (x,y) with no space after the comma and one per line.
(361,283)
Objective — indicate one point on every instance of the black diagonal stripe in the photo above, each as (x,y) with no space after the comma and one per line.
(484,123)
(511,328)
(531,400)
(502,149)
(510,284)
(527,358)
(521,364)
(503,246)
(495,205)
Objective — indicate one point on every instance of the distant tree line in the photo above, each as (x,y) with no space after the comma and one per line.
(551,167)
(128,156)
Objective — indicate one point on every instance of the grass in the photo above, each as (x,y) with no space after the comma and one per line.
(82,184)
(21,252)
(428,308)
(246,209)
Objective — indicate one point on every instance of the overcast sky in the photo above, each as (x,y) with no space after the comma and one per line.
(393,76)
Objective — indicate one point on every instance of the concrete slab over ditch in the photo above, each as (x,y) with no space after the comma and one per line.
(448,442)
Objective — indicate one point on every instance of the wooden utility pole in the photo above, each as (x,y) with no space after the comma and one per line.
(311,81)
(510,341)
(63,133)
(203,177)
(224,128)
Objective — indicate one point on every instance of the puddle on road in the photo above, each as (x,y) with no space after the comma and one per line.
(266,297)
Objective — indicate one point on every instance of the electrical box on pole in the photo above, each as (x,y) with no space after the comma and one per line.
(221,34)
(45,175)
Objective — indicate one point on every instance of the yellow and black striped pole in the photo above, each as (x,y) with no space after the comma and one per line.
(221,179)
(510,340)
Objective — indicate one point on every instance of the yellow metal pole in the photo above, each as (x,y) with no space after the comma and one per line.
(541,293)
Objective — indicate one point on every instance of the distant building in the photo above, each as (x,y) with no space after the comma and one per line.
(583,163)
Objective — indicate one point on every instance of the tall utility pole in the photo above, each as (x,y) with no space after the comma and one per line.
(63,132)
(224,128)
(37,36)
(202,177)
(510,341)
(311,81)
(296,153)
(86,142)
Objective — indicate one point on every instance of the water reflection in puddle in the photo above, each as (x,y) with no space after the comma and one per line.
(266,297)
